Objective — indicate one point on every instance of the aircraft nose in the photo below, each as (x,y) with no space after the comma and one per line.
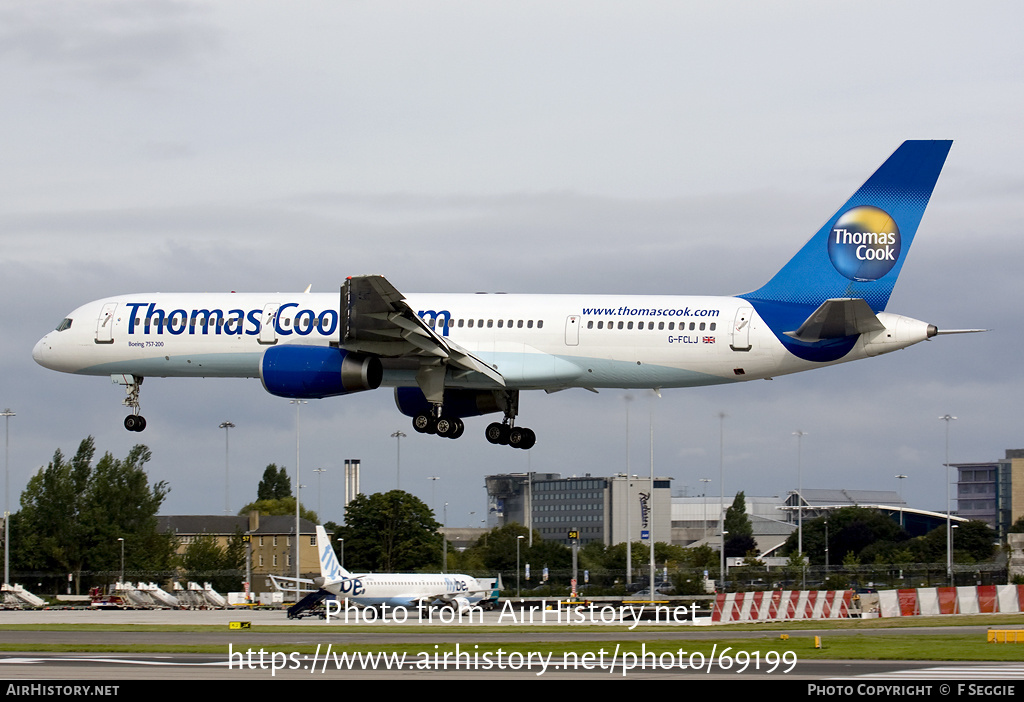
(39,351)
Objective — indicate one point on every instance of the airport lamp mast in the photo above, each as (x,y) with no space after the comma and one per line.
(901,478)
(7,414)
(705,494)
(298,432)
(947,418)
(398,436)
(721,489)
(800,501)
(226,426)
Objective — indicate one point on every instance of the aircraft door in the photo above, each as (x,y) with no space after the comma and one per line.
(268,324)
(572,330)
(741,329)
(105,324)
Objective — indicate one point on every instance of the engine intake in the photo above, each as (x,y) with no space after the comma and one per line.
(310,372)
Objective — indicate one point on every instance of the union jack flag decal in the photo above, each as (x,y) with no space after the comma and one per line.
(709,339)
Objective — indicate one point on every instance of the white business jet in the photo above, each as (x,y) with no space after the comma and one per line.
(451,356)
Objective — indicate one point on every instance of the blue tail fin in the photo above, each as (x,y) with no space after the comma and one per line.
(330,570)
(860,250)
(858,253)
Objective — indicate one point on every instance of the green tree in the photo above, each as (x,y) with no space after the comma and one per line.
(392,531)
(740,532)
(496,549)
(73,515)
(865,533)
(279,507)
(205,560)
(275,484)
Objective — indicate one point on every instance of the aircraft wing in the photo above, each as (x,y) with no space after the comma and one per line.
(375,318)
(283,583)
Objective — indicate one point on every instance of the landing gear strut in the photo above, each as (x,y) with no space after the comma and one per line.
(506,432)
(133,384)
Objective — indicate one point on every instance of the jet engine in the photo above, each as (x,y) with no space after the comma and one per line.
(318,371)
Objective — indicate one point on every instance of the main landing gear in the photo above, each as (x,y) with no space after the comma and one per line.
(133,384)
(448,427)
(507,435)
(504,432)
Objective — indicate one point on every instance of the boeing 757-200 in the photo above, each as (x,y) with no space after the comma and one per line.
(451,356)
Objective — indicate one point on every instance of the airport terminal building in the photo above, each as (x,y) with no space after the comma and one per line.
(608,510)
(992,491)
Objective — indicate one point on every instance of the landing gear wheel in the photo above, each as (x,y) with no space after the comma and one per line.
(424,423)
(521,438)
(497,433)
(460,429)
(134,422)
(450,427)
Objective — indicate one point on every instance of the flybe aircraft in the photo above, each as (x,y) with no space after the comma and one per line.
(391,590)
(452,356)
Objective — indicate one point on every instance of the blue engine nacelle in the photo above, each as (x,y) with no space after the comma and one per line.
(317,371)
(457,403)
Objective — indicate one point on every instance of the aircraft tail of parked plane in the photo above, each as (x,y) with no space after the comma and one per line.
(453,356)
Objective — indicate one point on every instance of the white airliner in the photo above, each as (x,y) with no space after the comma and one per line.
(387,591)
(451,356)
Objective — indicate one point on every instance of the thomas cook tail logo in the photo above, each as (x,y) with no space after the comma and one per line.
(864,243)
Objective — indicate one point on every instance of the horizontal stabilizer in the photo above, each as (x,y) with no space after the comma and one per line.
(836,319)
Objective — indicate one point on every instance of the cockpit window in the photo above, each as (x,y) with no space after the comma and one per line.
(64,324)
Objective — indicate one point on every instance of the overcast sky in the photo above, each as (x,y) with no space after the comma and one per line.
(640,147)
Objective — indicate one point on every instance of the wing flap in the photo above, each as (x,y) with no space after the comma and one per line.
(375,318)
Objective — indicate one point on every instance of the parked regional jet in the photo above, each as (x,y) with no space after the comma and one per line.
(390,590)
(451,356)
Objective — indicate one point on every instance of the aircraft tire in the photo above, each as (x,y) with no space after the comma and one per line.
(424,423)
(134,422)
(497,433)
(522,438)
(460,429)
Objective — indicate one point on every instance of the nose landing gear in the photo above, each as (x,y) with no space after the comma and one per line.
(133,384)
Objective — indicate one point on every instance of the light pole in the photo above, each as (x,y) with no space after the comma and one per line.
(705,491)
(721,487)
(298,488)
(433,491)
(7,414)
(121,579)
(226,426)
(899,492)
(800,500)
(629,499)
(398,436)
(947,418)
(318,472)
(342,551)
(444,541)
(519,540)
(826,547)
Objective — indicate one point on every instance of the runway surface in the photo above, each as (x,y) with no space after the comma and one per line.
(478,659)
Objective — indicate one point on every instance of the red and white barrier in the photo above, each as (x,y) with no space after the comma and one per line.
(781,605)
(973,599)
